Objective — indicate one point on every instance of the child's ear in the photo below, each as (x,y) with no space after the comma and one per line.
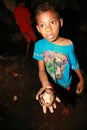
(37,28)
(61,22)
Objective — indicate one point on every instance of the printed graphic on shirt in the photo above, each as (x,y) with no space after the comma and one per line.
(55,63)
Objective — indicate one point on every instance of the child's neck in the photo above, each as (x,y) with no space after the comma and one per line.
(57,41)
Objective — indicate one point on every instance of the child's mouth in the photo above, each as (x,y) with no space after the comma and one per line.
(49,36)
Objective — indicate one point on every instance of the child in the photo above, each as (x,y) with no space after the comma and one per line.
(55,54)
(23,20)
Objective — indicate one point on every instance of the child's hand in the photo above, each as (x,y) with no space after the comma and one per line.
(80,87)
(52,107)
(47,100)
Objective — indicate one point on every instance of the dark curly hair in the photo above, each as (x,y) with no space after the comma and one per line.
(45,7)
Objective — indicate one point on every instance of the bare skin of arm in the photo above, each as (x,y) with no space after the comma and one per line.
(80,85)
(43,77)
(42,74)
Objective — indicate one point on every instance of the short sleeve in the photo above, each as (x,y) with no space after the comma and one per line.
(73,59)
(38,51)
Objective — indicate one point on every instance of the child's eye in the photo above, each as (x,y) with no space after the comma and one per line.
(42,25)
(53,22)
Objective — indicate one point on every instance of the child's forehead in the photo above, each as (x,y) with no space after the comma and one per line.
(46,17)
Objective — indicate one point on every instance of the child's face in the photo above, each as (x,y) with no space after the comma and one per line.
(48,24)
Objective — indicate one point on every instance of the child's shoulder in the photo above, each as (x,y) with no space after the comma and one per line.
(41,41)
(65,41)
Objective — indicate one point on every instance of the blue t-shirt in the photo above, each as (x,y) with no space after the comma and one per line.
(58,59)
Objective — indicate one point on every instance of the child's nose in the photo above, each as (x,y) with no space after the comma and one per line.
(48,28)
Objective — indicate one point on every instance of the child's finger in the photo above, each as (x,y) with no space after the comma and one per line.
(51,109)
(37,97)
(54,105)
(57,99)
(44,109)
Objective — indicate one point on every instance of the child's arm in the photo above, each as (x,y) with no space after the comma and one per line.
(43,77)
(45,84)
(42,74)
(80,84)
